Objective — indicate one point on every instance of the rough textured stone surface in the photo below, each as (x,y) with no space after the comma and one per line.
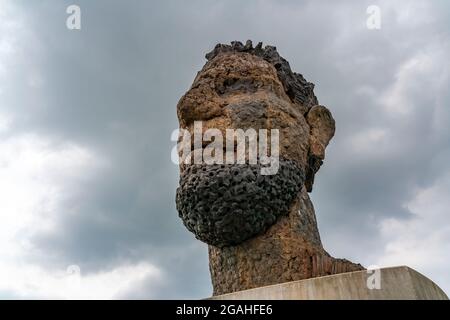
(243,87)
(289,250)
(297,88)
(226,204)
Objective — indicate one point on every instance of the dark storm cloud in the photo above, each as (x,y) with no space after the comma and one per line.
(114,85)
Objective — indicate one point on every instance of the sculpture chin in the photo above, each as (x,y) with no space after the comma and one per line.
(224,205)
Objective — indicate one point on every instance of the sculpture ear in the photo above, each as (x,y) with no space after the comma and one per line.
(321,130)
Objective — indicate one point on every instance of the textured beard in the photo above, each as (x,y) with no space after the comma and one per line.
(224,205)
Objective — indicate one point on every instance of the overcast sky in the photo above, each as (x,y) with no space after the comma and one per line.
(87,186)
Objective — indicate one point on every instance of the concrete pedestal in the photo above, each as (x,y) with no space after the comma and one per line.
(396,283)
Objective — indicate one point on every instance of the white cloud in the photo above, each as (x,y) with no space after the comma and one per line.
(10,26)
(4,123)
(418,82)
(423,241)
(371,141)
(32,281)
(35,176)
(34,173)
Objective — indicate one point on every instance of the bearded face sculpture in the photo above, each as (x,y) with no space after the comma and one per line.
(235,208)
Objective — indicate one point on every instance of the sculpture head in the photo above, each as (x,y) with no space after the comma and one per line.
(246,87)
